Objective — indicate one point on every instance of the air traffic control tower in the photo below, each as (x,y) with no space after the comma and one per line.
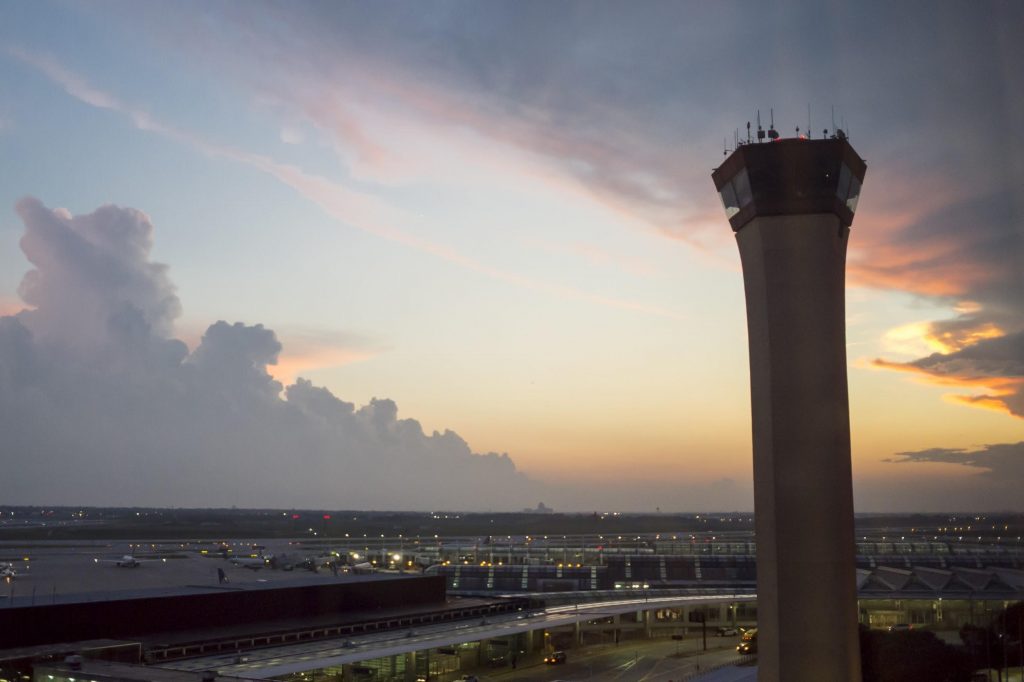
(791,203)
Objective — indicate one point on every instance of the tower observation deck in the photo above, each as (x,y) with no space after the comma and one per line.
(791,203)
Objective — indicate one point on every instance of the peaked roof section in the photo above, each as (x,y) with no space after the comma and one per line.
(893,578)
(975,578)
(935,578)
(927,581)
(1011,576)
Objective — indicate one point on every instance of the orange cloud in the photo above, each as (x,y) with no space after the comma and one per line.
(998,402)
(886,254)
(293,364)
(1001,393)
(11,306)
(952,340)
(931,270)
(945,337)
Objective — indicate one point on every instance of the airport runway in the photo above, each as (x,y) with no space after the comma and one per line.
(52,569)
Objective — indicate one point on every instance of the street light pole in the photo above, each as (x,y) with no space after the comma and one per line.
(704,629)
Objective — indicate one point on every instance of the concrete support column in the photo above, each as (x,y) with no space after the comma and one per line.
(647,624)
(410,667)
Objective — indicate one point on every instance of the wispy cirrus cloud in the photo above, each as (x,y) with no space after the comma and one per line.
(941,218)
(360,210)
(373,82)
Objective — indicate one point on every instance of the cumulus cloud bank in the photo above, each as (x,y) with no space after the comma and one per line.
(100,404)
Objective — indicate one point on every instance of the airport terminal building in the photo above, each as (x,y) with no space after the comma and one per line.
(458,618)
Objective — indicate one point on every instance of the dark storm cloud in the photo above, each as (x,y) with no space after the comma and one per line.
(971,254)
(997,363)
(633,102)
(100,405)
(1001,356)
(1003,463)
(995,482)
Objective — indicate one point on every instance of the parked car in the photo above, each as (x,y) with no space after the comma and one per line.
(900,627)
(727,632)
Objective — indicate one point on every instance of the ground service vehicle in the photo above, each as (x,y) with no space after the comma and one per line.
(748,644)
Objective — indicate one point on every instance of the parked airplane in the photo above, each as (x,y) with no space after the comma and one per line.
(127,561)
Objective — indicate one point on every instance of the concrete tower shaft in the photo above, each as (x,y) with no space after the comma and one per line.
(791,204)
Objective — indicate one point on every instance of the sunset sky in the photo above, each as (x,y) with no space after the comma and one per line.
(497,217)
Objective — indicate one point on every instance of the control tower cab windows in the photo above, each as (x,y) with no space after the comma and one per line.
(736,193)
(848,189)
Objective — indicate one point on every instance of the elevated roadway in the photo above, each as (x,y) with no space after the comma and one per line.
(295,658)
